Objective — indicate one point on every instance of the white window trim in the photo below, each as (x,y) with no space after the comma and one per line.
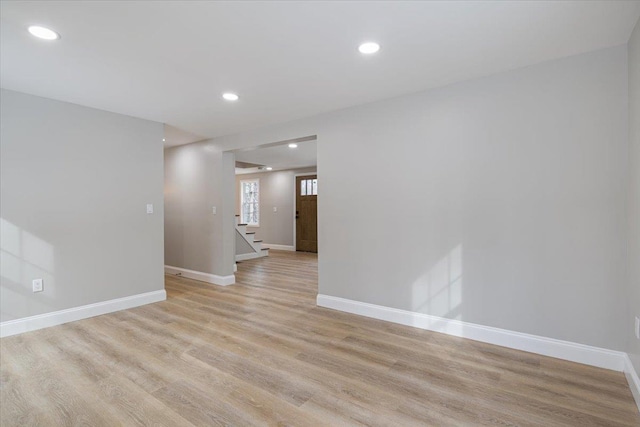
(256,180)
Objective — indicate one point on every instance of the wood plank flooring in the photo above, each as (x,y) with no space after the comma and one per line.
(261,353)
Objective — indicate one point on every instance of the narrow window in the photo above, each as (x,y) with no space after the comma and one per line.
(250,202)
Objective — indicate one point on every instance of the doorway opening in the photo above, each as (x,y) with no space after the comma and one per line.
(276,196)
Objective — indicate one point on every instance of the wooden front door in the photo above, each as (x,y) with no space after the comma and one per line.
(307,213)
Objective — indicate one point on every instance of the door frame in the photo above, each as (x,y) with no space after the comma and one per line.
(295,193)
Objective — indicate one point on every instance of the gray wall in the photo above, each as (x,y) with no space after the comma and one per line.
(276,190)
(194,237)
(633,296)
(75,182)
(498,201)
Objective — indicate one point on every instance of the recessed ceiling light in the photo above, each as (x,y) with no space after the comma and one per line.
(43,33)
(369,48)
(230,96)
(293,145)
(269,168)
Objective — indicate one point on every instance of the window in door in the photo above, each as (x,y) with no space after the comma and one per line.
(250,202)
(309,187)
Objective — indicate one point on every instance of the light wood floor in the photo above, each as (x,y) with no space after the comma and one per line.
(261,353)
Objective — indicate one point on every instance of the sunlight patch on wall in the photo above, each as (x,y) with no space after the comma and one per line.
(9,237)
(37,252)
(10,267)
(438,291)
(23,258)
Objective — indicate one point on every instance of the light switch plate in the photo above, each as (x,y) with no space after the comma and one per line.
(38,285)
(214,210)
(149,208)
(275,209)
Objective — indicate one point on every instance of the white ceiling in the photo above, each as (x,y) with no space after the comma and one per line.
(279,157)
(170,61)
(174,136)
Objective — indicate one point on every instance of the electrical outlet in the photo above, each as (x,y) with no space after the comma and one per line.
(214,210)
(637,327)
(149,208)
(37,285)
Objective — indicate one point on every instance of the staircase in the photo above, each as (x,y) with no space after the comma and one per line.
(246,245)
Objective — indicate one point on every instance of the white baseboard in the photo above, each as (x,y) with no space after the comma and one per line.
(198,275)
(279,247)
(580,353)
(632,379)
(32,323)
(250,255)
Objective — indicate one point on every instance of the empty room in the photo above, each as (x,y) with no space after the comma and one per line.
(320,213)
